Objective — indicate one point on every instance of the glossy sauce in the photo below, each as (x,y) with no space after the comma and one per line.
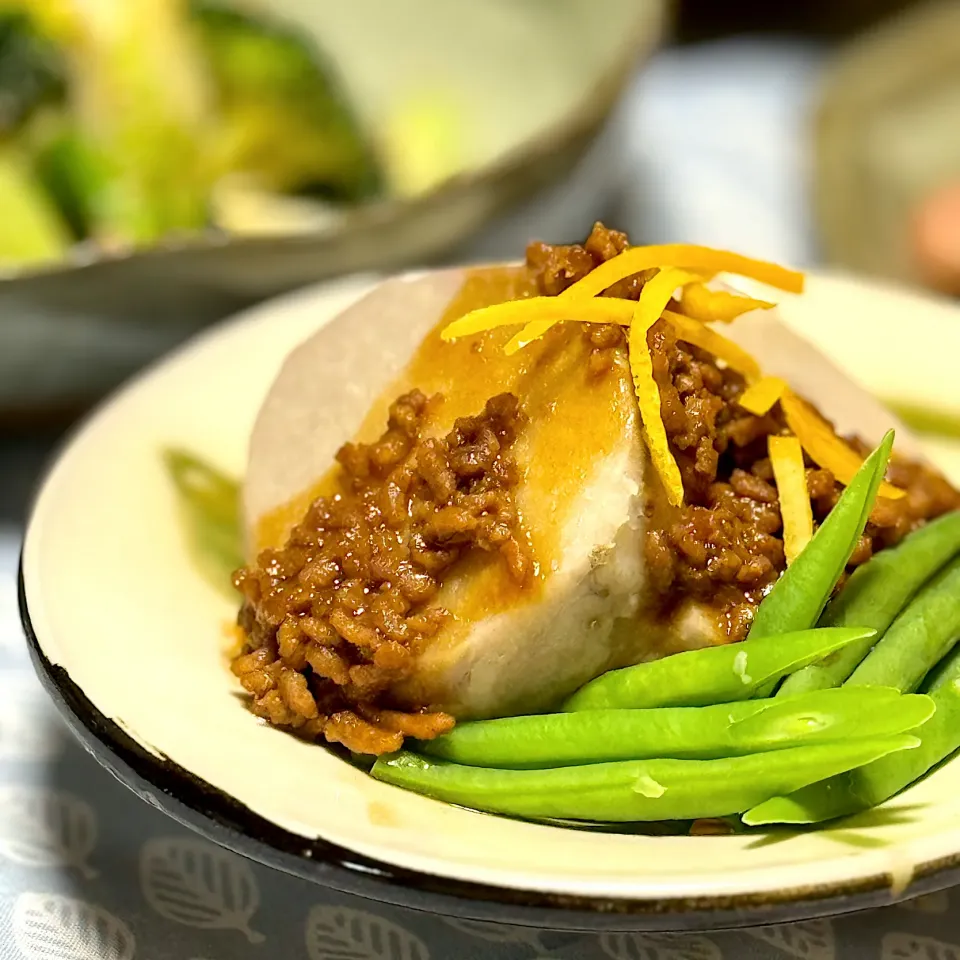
(574,422)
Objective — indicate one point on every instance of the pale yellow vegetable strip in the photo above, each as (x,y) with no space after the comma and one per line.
(695,332)
(554,309)
(762,395)
(786,457)
(537,328)
(717,306)
(654,297)
(602,310)
(690,257)
(706,260)
(823,446)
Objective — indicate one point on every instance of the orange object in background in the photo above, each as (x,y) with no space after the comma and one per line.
(935,239)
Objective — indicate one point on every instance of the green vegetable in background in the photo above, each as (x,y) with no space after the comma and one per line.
(210,508)
(284,119)
(31,230)
(867,786)
(875,594)
(128,114)
(74,174)
(141,102)
(134,104)
(931,421)
(721,674)
(32,70)
(799,596)
(633,790)
(682,733)
(32,82)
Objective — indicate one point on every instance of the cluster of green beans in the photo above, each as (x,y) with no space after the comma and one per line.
(700,734)
(917,650)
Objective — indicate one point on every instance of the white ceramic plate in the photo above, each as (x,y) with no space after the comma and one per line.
(129,640)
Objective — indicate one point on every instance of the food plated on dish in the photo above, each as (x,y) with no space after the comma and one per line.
(577,540)
(131,616)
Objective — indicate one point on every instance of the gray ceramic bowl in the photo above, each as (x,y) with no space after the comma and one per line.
(534,84)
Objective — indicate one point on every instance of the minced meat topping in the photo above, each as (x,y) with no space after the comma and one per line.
(724,545)
(337,615)
(335,618)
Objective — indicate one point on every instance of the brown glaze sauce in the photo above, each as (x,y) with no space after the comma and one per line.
(482,287)
(573,404)
(343,594)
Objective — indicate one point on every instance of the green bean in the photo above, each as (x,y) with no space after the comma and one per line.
(865,787)
(797,599)
(924,419)
(713,675)
(944,674)
(874,595)
(681,733)
(633,790)
(918,639)
(210,508)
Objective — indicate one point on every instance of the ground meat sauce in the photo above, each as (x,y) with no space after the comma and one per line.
(336,616)
(724,546)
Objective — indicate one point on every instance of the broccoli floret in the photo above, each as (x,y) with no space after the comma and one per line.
(285,119)
(31,230)
(32,71)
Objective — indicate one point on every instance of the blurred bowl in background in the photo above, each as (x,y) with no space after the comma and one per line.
(886,137)
(531,87)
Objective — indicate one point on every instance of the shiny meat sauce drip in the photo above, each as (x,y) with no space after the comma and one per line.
(336,616)
(724,546)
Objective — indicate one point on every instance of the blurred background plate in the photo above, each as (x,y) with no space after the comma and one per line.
(532,85)
(886,136)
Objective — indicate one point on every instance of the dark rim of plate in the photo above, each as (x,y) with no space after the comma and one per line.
(225,820)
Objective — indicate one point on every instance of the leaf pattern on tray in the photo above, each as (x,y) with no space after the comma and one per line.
(46,828)
(341,933)
(199,885)
(496,932)
(938,902)
(658,946)
(29,731)
(47,926)
(809,940)
(905,946)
